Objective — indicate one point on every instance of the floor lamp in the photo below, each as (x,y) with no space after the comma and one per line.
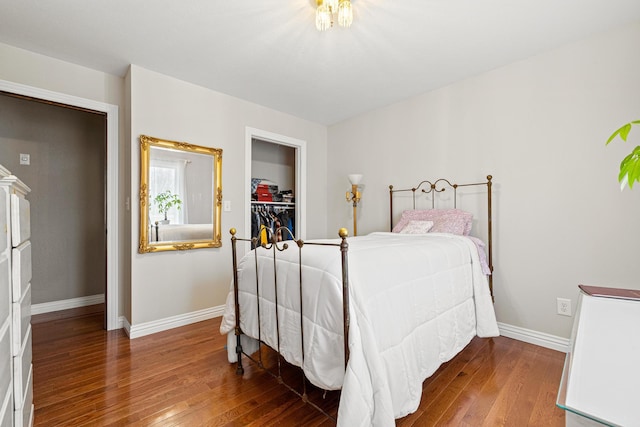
(354,197)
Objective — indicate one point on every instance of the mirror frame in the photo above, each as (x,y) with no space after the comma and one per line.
(145,246)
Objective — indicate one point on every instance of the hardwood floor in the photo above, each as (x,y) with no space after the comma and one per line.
(85,376)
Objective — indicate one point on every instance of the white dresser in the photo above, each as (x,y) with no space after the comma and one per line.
(16,369)
(601,373)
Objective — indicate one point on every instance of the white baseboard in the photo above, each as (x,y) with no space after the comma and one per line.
(48,307)
(521,334)
(534,337)
(148,328)
(132,331)
(125,325)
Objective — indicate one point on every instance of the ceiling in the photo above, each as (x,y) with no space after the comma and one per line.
(269,52)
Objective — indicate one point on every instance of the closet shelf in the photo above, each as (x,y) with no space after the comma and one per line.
(255,202)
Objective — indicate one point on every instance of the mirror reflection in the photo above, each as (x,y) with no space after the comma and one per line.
(180,195)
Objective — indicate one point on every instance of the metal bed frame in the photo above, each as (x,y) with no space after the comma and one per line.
(441,185)
(275,246)
(274,249)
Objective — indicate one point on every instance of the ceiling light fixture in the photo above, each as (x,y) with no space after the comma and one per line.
(328,8)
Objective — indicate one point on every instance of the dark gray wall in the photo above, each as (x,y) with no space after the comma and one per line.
(67,179)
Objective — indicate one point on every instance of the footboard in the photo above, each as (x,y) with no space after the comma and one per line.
(273,248)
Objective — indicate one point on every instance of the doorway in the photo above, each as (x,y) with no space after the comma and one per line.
(300,168)
(110,180)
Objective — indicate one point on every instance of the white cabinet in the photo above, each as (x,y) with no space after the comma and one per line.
(16,368)
(6,304)
(601,375)
(6,376)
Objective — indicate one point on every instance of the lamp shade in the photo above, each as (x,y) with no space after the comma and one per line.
(355,178)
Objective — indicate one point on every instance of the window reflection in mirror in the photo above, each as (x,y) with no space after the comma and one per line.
(180,195)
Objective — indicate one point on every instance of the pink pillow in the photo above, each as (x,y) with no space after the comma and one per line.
(454,221)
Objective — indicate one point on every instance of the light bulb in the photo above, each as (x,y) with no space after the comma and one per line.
(323,18)
(345,13)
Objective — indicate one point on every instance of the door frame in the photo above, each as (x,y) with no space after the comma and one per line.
(111,297)
(300,147)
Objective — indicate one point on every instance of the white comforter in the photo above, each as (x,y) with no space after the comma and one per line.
(179,232)
(415,302)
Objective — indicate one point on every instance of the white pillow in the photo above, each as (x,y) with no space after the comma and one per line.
(417,227)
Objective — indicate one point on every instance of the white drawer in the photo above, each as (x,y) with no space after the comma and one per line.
(21,269)
(6,409)
(23,416)
(5,288)
(20,220)
(6,361)
(4,219)
(22,369)
(22,386)
(21,320)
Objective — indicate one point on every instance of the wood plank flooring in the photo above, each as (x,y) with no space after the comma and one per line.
(85,376)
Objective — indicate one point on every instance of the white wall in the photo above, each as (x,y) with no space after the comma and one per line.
(21,66)
(274,162)
(173,283)
(539,127)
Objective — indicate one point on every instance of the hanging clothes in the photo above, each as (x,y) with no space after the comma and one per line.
(267,220)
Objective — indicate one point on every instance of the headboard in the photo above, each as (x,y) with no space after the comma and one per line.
(439,186)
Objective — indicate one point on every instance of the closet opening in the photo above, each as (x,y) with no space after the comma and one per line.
(276,181)
(273,201)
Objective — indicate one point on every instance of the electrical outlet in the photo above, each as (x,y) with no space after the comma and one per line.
(564,306)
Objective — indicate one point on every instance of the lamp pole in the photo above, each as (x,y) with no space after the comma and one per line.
(354,197)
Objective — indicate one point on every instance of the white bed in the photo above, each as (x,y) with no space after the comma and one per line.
(415,301)
(180,232)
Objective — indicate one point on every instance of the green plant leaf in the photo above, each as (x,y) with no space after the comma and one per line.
(630,169)
(623,181)
(630,165)
(623,132)
(634,169)
(166,200)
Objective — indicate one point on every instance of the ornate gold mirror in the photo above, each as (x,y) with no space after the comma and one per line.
(180,196)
